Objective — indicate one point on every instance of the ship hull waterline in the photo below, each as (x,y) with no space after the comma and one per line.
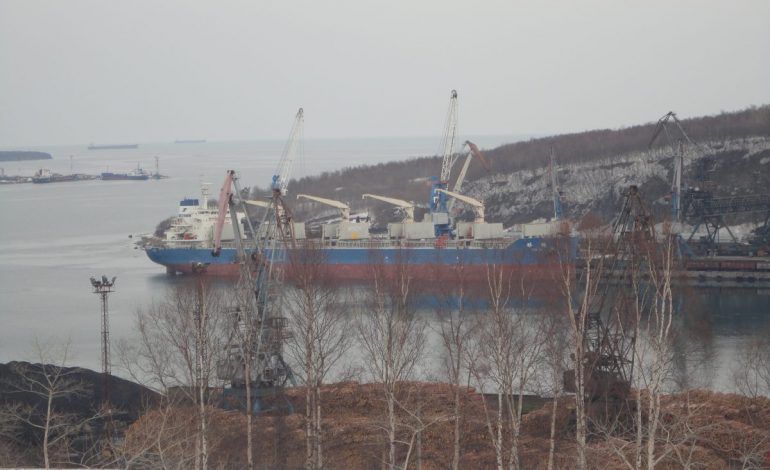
(525,258)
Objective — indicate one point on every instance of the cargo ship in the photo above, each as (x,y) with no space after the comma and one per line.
(43,175)
(112,146)
(348,251)
(137,174)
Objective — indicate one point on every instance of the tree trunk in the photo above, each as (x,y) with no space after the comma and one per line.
(47,429)
(309,427)
(580,412)
(391,432)
(318,435)
(456,453)
(499,443)
(552,437)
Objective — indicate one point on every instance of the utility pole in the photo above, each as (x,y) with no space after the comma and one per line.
(103,287)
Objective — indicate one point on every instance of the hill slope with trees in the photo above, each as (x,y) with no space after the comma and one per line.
(592,166)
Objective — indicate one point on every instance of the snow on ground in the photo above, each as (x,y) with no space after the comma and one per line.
(587,185)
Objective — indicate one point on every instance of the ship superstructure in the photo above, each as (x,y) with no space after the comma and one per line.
(193,226)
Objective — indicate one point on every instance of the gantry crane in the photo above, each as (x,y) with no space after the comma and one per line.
(407,207)
(679,154)
(478,206)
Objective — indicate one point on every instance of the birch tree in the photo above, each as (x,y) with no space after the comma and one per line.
(579,296)
(43,390)
(179,342)
(391,337)
(320,338)
(505,360)
(456,328)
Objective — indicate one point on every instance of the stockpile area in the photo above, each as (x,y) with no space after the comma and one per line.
(707,429)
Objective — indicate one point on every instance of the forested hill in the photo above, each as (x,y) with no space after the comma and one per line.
(515,190)
(19,155)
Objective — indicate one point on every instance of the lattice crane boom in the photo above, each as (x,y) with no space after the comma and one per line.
(447,150)
(662,127)
(293,147)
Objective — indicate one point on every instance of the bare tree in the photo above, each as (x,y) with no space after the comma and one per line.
(178,345)
(654,309)
(456,329)
(579,297)
(162,438)
(553,329)
(391,338)
(505,359)
(752,374)
(41,391)
(320,337)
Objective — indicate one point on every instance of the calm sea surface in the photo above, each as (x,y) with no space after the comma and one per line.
(53,237)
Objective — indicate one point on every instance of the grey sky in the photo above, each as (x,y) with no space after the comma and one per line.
(123,71)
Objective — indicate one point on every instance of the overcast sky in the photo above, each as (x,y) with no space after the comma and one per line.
(76,71)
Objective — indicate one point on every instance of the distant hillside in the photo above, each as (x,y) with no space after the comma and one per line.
(734,144)
(18,155)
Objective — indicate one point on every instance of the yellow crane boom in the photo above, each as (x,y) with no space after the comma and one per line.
(407,206)
(344,208)
(478,206)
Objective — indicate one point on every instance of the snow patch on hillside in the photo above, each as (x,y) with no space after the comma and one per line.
(519,196)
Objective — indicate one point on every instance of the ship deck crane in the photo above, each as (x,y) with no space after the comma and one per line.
(258,203)
(478,206)
(438,200)
(440,206)
(343,208)
(407,207)
(473,152)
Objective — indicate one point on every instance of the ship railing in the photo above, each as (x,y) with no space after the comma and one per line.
(387,243)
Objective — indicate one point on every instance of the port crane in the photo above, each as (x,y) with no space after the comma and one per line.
(407,207)
(478,206)
(343,208)
(556,191)
(662,127)
(440,206)
(254,366)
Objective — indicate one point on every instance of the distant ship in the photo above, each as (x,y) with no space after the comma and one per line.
(117,146)
(190,141)
(47,176)
(136,175)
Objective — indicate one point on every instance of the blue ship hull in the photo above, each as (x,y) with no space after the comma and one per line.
(540,257)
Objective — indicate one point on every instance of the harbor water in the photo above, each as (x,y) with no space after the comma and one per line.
(53,237)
